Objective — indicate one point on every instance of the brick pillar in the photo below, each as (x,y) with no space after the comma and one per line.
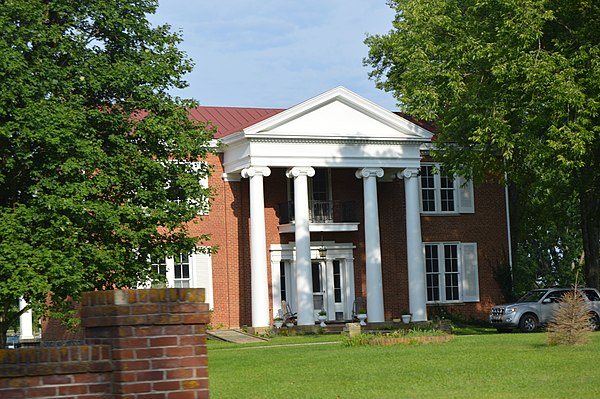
(158,340)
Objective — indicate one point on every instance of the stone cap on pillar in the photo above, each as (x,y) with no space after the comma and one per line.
(300,171)
(407,173)
(144,307)
(256,170)
(369,172)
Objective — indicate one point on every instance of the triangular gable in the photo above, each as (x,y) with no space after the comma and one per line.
(338,113)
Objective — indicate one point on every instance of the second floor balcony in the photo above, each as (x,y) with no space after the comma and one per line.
(323,216)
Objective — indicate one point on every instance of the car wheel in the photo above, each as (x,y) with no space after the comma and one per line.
(528,323)
(595,322)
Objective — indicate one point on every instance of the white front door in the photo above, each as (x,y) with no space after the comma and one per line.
(329,289)
(319,285)
(332,280)
(339,291)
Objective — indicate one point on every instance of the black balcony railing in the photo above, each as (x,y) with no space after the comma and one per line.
(321,212)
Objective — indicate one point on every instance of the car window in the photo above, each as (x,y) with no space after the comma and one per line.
(532,296)
(555,296)
(592,295)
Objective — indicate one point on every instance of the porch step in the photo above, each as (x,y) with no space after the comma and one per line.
(235,336)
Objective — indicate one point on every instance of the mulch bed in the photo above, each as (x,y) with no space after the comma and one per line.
(410,340)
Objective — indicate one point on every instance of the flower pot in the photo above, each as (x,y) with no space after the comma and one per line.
(278,323)
(362,317)
(322,319)
(406,318)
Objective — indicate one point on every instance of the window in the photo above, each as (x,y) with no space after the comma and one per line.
(160,267)
(182,272)
(319,193)
(451,272)
(282,281)
(203,205)
(441,193)
(337,282)
(187,271)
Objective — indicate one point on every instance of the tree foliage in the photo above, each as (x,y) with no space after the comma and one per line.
(514,87)
(89,190)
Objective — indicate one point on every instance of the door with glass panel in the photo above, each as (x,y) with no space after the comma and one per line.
(328,283)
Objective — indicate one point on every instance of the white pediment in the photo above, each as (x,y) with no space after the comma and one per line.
(338,114)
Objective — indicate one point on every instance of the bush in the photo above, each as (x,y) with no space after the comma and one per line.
(571,323)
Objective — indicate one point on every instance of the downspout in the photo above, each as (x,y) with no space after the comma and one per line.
(224,178)
(510,257)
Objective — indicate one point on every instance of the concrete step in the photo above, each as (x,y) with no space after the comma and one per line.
(235,336)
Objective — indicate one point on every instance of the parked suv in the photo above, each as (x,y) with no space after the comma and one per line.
(537,308)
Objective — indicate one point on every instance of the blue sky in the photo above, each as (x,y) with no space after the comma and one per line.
(276,53)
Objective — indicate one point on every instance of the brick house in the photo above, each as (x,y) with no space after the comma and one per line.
(341,174)
(336,199)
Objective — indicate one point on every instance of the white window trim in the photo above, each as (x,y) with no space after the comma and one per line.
(201,275)
(286,252)
(462,194)
(468,274)
(204,207)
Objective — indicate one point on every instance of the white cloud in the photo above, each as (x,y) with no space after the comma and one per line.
(276,53)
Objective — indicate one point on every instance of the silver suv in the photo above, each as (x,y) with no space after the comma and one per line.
(537,308)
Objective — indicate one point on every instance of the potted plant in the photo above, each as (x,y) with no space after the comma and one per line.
(289,322)
(278,321)
(362,316)
(323,317)
(406,316)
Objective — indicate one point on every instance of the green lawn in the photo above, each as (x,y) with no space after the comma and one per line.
(476,366)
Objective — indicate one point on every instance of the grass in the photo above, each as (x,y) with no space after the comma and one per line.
(471,366)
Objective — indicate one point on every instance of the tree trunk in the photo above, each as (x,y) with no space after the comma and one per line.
(590,232)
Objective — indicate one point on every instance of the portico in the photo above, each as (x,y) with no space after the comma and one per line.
(336,130)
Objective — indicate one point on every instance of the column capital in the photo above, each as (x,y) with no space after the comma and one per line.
(300,171)
(256,170)
(369,172)
(407,173)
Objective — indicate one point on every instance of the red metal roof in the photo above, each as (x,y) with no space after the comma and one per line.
(419,122)
(229,120)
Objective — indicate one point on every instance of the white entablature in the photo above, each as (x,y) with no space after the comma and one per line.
(335,129)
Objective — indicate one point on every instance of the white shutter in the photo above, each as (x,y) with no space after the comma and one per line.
(203,276)
(470,273)
(466,200)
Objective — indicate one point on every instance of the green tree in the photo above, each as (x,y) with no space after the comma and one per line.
(89,189)
(514,87)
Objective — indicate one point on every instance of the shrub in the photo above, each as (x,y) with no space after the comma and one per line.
(571,322)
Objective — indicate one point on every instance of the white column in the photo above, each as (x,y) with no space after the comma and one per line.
(304,292)
(414,246)
(258,246)
(25,321)
(375,310)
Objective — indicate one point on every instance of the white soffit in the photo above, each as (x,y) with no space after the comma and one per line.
(338,114)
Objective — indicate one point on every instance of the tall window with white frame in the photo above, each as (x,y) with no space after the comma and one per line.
(432,273)
(438,191)
(160,267)
(451,272)
(182,271)
(282,281)
(442,270)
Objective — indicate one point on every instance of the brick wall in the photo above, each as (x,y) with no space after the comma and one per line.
(76,371)
(139,344)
